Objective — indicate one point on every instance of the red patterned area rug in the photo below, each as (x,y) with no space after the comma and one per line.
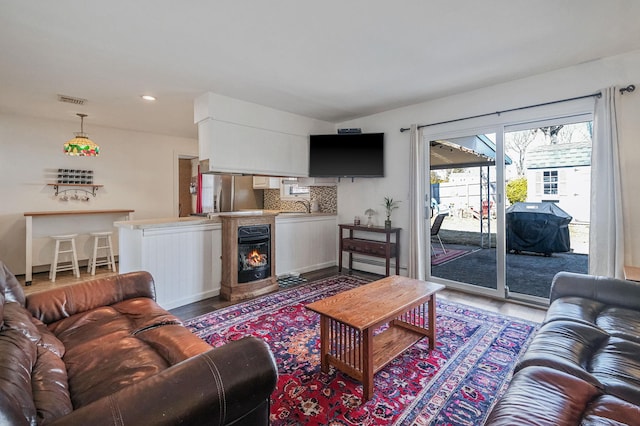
(455,384)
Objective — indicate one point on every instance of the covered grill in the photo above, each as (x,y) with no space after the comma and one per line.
(538,227)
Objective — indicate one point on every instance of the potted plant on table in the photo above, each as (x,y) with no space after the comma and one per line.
(390,205)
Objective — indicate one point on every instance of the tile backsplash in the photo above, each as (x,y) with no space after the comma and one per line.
(327,197)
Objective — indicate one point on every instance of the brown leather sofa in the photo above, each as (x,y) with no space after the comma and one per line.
(104,353)
(583,365)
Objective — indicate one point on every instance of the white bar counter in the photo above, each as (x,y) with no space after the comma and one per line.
(183,254)
(41,225)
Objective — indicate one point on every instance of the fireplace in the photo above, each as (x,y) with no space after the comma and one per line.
(248,255)
(254,253)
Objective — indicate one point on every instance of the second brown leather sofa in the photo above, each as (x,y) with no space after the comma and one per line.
(583,366)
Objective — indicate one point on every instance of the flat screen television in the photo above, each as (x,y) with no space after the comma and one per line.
(346,155)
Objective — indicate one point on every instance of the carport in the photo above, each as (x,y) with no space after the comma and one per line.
(471,151)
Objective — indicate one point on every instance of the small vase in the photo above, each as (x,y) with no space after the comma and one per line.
(387,223)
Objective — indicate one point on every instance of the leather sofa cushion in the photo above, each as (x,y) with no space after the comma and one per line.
(589,353)
(18,354)
(63,302)
(10,287)
(111,347)
(42,374)
(131,315)
(18,318)
(614,320)
(610,291)
(609,410)
(174,342)
(620,322)
(543,396)
(617,367)
(566,346)
(50,387)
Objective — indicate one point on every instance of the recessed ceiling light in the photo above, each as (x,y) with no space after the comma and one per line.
(148,98)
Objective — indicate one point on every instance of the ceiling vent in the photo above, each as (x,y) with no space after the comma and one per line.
(71,100)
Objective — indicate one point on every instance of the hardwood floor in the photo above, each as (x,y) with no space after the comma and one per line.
(41,282)
(494,305)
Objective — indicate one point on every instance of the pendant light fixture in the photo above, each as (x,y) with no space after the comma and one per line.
(81,145)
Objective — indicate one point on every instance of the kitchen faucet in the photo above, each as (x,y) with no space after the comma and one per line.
(306,204)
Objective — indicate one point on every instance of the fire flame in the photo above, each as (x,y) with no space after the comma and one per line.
(254,259)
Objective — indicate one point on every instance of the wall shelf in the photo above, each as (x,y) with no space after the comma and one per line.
(75,187)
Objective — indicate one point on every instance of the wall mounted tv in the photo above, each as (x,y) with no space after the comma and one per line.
(346,155)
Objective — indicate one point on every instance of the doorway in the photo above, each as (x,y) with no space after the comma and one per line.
(186,183)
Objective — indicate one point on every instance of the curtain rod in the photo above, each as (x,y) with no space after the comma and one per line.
(630,88)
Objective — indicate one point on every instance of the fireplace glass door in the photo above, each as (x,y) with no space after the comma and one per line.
(254,253)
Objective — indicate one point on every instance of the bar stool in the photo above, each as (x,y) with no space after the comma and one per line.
(108,260)
(73,263)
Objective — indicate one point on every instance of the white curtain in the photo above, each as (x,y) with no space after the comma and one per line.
(606,241)
(416,264)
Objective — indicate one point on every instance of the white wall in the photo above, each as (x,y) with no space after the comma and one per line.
(354,198)
(138,171)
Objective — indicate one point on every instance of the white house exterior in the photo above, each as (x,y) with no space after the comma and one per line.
(561,173)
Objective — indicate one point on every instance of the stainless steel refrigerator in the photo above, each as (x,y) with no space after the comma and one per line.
(230,193)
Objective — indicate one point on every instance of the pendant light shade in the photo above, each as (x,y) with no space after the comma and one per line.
(81,145)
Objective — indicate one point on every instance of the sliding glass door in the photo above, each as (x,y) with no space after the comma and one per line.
(508,208)
(463,212)
(547,204)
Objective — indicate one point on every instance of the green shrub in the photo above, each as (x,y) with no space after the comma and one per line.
(517,190)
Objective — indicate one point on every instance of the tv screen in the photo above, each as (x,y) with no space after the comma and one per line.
(346,155)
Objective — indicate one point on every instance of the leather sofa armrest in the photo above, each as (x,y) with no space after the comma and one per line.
(610,291)
(62,302)
(217,387)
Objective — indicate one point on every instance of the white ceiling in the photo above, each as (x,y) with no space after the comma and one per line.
(333,59)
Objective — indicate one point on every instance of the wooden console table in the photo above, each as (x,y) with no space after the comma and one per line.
(346,334)
(385,249)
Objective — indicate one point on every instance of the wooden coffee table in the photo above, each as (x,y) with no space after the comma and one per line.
(348,320)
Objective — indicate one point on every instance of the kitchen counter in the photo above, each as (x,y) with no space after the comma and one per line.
(165,222)
(183,254)
(67,212)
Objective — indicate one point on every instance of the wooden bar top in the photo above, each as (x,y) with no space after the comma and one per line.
(64,212)
(369,304)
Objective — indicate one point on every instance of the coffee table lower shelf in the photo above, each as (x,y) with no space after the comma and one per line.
(387,345)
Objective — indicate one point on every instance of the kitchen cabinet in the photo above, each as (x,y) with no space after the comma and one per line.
(318,181)
(235,136)
(305,243)
(182,255)
(266,182)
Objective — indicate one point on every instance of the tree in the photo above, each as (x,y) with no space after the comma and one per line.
(551,133)
(435,178)
(518,142)
(517,190)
